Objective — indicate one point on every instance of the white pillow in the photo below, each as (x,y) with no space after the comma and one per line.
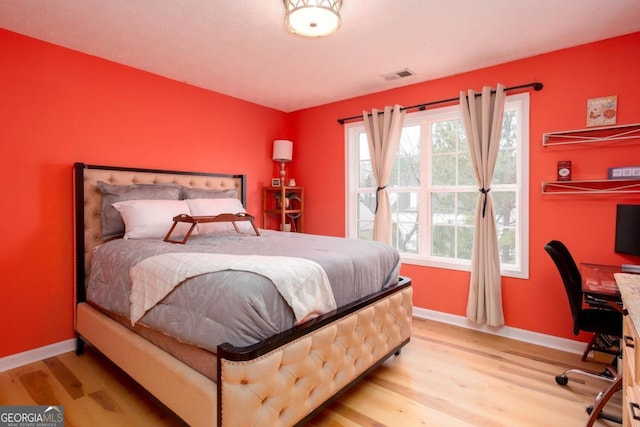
(152,219)
(209,207)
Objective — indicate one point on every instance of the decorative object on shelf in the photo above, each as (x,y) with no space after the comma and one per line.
(285,227)
(602,111)
(275,182)
(292,182)
(564,170)
(291,202)
(279,201)
(283,153)
(295,204)
(312,18)
(625,172)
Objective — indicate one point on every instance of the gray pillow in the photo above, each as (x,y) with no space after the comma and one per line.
(112,224)
(202,193)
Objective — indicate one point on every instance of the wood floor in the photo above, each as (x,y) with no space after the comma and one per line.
(446,376)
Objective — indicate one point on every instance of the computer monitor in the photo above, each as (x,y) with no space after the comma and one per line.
(628,229)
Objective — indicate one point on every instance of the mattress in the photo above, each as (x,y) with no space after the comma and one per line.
(237,307)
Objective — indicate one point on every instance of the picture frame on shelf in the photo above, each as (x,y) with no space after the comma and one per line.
(602,111)
(275,182)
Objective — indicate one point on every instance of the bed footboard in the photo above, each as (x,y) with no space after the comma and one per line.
(292,382)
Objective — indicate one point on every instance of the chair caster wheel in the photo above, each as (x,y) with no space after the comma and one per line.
(562,379)
(589,409)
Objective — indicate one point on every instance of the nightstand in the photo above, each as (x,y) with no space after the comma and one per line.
(283,208)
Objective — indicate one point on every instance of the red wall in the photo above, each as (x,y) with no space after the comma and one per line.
(58,107)
(584,223)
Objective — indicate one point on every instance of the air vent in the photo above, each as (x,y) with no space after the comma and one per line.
(398,74)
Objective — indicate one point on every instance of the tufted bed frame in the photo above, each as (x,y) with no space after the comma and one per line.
(284,380)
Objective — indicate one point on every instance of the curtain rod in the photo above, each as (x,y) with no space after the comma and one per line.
(421,107)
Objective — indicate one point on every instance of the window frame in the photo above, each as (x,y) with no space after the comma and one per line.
(520,269)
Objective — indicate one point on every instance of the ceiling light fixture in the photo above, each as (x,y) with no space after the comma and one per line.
(312,18)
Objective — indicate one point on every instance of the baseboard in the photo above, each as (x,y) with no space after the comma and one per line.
(571,346)
(564,344)
(21,359)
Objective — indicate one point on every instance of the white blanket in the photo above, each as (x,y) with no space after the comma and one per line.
(302,283)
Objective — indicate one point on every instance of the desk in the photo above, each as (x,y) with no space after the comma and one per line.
(630,289)
(600,289)
(598,279)
(626,287)
(599,285)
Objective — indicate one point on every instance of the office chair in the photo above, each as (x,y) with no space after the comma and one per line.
(598,321)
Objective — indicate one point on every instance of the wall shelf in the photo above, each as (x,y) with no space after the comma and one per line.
(604,186)
(599,134)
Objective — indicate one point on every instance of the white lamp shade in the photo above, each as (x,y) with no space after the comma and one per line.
(282,150)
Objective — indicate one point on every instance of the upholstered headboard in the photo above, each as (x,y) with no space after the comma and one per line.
(88,202)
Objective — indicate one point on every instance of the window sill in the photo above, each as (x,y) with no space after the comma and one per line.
(447,265)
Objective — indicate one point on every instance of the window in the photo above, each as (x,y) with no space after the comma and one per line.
(433,192)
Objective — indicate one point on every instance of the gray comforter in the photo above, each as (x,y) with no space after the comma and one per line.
(240,308)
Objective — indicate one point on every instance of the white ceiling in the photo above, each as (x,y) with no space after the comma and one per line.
(239,47)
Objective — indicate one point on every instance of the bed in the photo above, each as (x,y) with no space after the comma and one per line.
(279,379)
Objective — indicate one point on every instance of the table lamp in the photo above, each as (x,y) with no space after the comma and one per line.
(283,153)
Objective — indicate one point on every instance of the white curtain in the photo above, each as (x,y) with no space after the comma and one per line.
(482,118)
(383,134)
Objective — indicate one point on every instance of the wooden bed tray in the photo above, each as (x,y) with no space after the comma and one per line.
(284,380)
(195,220)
